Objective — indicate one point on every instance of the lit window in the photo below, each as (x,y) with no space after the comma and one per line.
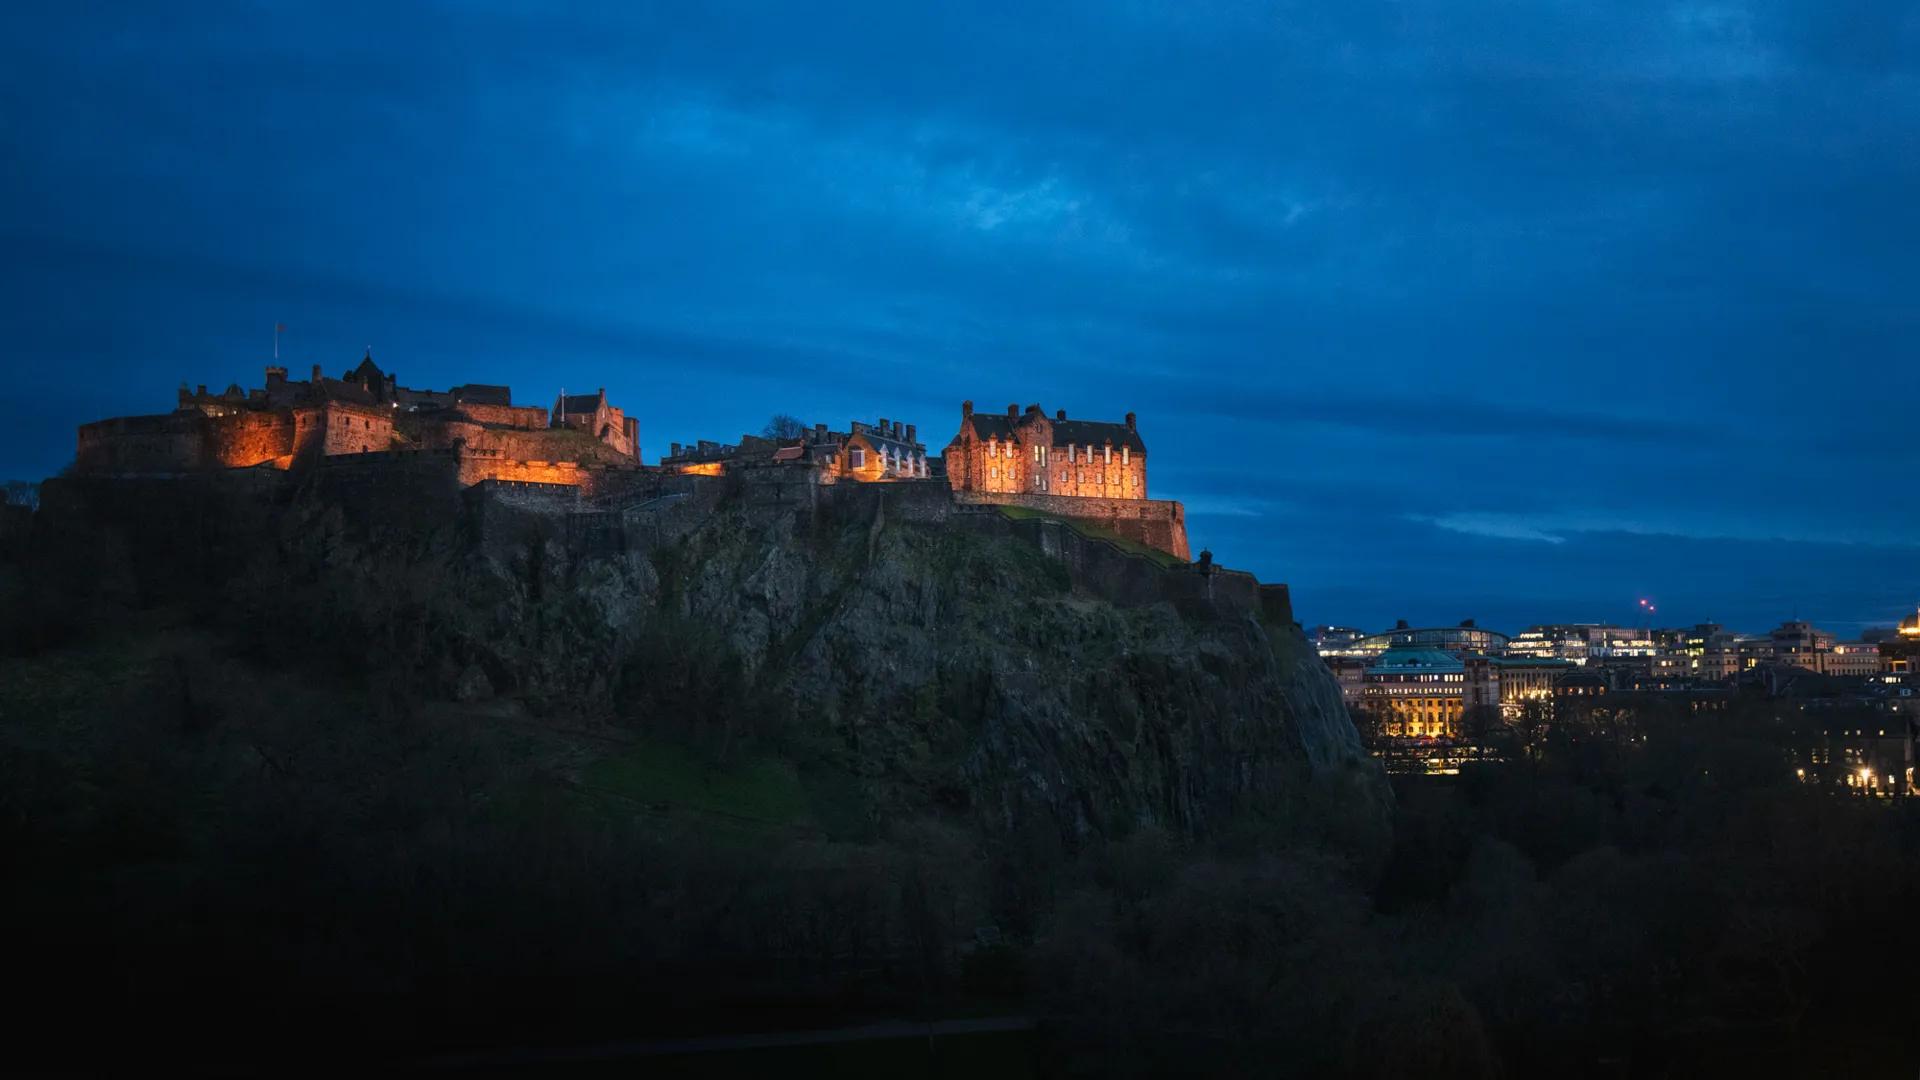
(857,458)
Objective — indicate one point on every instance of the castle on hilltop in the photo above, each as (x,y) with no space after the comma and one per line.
(365,411)
(1086,471)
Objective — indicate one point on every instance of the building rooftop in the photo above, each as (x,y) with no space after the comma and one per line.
(1065,432)
(1417,660)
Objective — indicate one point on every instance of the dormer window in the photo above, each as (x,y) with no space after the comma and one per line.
(857,458)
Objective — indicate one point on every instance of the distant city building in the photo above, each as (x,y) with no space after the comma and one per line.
(1425,693)
(1581,642)
(1900,654)
(1798,643)
(1463,638)
(1337,640)
(1854,658)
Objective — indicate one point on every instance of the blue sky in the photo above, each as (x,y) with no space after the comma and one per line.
(1434,309)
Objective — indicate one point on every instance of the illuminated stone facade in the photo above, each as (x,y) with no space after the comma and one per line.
(1425,693)
(591,414)
(1032,454)
(365,412)
(864,453)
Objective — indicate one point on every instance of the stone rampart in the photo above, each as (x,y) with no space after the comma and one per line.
(1158,523)
(523,417)
(142,444)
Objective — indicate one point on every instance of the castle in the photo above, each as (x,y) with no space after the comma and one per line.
(1026,453)
(366,411)
(1090,472)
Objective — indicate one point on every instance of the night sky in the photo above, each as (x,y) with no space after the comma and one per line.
(1518,311)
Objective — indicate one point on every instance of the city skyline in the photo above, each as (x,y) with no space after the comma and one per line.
(1428,327)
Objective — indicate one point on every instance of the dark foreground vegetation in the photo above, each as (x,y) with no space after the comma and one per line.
(219,852)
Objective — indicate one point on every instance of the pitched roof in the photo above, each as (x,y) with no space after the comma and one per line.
(1065,432)
(339,390)
(992,426)
(789,453)
(1096,433)
(579,403)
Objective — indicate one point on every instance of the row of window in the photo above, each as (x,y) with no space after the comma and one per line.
(1083,454)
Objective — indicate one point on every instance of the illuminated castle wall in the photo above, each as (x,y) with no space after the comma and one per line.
(366,411)
(1031,454)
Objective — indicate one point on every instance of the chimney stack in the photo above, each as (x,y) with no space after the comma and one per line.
(1060,414)
(316,376)
(819,433)
(896,429)
(883,425)
(1130,422)
(1013,412)
(910,433)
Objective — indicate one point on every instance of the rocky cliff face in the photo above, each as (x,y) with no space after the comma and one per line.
(953,667)
(946,665)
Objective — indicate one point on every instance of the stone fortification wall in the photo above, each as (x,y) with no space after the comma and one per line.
(524,417)
(142,444)
(353,429)
(927,502)
(1157,523)
(655,509)
(184,442)
(415,490)
(188,441)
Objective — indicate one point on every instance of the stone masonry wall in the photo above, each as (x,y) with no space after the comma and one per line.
(1157,523)
(141,444)
(524,417)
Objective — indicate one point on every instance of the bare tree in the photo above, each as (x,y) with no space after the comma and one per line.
(20,493)
(783,426)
